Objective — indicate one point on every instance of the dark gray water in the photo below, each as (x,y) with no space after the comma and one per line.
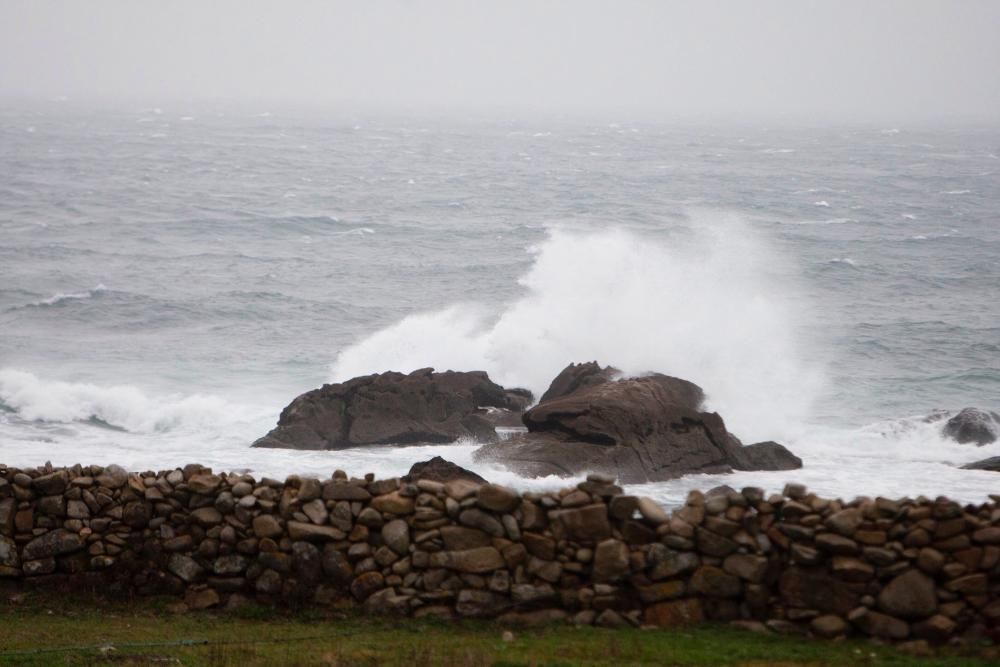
(181,274)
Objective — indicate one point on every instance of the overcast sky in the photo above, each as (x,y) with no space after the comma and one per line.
(845,59)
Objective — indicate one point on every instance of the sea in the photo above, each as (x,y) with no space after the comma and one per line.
(171,277)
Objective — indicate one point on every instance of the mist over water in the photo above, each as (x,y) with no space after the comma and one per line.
(171,278)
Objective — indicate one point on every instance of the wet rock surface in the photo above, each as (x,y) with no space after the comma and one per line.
(439,469)
(641,429)
(973,426)
(419,407)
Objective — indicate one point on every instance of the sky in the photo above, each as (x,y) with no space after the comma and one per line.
(875,59)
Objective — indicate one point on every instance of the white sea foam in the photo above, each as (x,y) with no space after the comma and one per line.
(843,260)
(707,310)
(822,203)
(957,192)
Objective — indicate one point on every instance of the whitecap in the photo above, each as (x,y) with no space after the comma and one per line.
(956,192)
(822,203)
(827,221)
(908,216)
(62,297)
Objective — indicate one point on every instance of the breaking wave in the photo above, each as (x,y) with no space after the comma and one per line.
(120,407)
(712,308)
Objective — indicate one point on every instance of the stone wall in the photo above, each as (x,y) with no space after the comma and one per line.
(794,562)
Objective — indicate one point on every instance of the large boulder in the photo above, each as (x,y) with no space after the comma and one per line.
(420,407)
(973,425)
(639,429)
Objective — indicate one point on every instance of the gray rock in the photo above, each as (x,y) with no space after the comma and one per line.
(973,425)
(420,407)
(185,567)
(637,429)
(230,565)
(651,511)
(8,555)
(440,470)
(113,477)
(909,595)
(316,511)
(498,498)
(473,561)
(396,535)
(52,484)
(588,523)
(610,561)
(992,464)
(53,543)
(298,530)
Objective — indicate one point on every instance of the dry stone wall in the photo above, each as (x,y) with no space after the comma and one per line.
(793,562)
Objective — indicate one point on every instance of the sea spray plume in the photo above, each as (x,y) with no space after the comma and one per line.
(716,307)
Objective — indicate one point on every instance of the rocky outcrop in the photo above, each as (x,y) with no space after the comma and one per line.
(974,426)
(992,463)
(640,429)
(765,456)
(441,470)
(789,562)
(577,377)
(420,407)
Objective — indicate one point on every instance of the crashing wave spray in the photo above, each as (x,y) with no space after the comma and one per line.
(714,307)
(121,406)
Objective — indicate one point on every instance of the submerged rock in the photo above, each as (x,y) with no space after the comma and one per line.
(420,407)
(640,429)
(973,425)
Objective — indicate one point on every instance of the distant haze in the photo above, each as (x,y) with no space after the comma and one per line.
(851,60)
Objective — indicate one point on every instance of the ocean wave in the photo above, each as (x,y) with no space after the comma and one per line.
(951,233)
(826,221)
(63,297)
(358,231)
(708,309)
(843,260)
(119,407)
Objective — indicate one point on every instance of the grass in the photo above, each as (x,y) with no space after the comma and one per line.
(40,630)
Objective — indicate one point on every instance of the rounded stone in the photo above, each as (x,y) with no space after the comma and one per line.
(396,535)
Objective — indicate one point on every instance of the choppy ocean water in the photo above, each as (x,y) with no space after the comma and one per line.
(171,278)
